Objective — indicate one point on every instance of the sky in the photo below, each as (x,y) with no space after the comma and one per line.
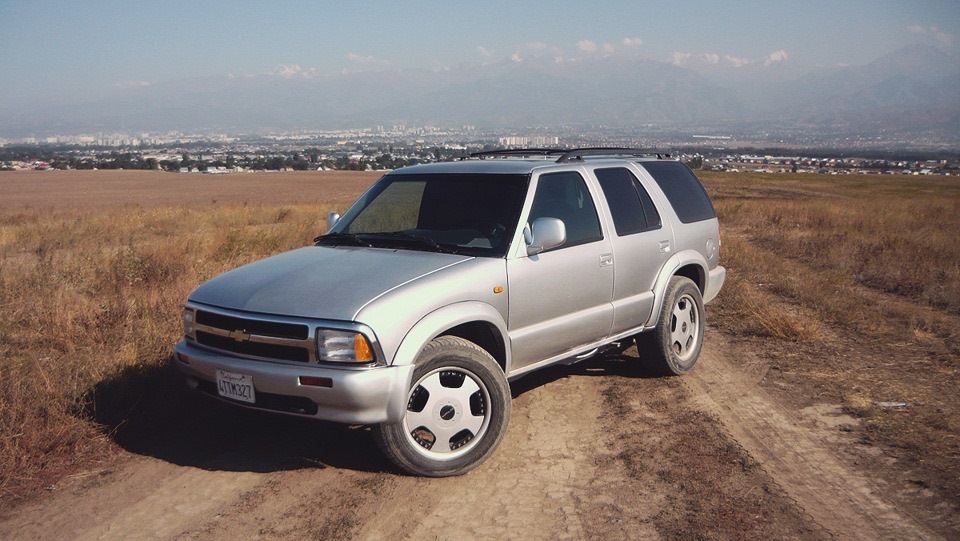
(52,49)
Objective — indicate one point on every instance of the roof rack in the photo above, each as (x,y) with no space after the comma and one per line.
(516,152)
(578,154)
(569,155)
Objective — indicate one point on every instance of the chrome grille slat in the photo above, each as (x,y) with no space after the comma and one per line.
(249,337)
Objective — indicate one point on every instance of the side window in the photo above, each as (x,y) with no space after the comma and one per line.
(565,196)
(632,209)
(683,190)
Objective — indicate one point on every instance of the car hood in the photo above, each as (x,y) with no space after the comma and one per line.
(322,282)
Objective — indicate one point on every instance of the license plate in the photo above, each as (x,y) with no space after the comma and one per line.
(236,386)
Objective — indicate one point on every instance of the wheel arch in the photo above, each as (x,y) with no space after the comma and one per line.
(485,335)
(477,322)
(689,264)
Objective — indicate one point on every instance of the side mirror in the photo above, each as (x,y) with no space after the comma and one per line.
(546,233)
(332,220)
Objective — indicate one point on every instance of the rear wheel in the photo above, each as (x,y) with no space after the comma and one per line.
(673,347)
(458,408)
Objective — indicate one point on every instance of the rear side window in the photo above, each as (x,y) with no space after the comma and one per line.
(683,190)
(632,209)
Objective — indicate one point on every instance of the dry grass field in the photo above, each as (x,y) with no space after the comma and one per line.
(847,289)
(94,268)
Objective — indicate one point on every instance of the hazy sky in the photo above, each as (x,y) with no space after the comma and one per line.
(71,48)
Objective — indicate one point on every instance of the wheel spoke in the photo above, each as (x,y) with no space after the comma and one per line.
(433,386)
(444,435)
(471,422)
(423,418)
(463,392)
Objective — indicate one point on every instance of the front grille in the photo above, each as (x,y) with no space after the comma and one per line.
(292,331)
(260,338)
(254,349)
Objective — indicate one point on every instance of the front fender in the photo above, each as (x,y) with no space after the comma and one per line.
(437,322)
(433,325)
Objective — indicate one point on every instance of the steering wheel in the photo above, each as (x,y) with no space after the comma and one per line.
(491,230)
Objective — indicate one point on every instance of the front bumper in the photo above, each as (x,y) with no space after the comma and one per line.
(353,395)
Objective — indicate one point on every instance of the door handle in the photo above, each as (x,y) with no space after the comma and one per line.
(664,246)
(606,260)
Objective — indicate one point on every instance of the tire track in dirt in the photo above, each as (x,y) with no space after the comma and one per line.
(534,487)
(844,502)
(187,497)
(145,499)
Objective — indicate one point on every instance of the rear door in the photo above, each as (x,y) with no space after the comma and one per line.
(641,244)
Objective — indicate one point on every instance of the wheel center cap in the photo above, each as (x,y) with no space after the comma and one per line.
(447,412)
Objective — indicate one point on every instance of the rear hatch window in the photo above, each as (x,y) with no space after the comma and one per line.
(683,190)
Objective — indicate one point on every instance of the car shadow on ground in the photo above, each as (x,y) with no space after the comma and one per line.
(148,410)
(624,364)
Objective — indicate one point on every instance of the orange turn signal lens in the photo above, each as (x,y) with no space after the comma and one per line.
(362,348)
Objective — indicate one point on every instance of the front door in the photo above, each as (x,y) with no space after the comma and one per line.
(561,299)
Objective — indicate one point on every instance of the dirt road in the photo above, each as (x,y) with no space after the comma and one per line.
(594,451)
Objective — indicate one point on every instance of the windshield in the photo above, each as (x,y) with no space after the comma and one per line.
(470,214)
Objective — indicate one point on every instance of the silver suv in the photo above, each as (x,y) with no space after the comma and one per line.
(445,281)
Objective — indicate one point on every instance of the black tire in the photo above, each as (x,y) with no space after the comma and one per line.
(673,346)
(459,402)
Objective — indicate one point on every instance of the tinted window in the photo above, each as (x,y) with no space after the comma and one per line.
(649,209)
(682,189)
(472,214)
(565,196)
(632,209)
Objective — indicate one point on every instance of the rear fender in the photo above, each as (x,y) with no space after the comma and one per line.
(668,271)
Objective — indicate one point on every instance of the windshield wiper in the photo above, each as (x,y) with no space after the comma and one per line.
(337,239)
(419,239)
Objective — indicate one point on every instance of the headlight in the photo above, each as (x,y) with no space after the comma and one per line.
(189,321)
(343,347)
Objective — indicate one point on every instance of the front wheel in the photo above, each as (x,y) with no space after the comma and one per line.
(673,347)
(458,408)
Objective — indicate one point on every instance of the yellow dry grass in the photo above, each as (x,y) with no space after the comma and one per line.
(850,288)
(87,294)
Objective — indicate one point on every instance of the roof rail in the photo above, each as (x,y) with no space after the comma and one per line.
(579,153)
(569,155)
(516,152)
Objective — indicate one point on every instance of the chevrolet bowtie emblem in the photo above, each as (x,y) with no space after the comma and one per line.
(239,336)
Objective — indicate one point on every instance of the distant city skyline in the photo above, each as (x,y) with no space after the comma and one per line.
(57,50)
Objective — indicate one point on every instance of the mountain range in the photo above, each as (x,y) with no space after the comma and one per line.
(913,90)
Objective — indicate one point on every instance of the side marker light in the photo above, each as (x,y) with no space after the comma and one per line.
(314,381)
